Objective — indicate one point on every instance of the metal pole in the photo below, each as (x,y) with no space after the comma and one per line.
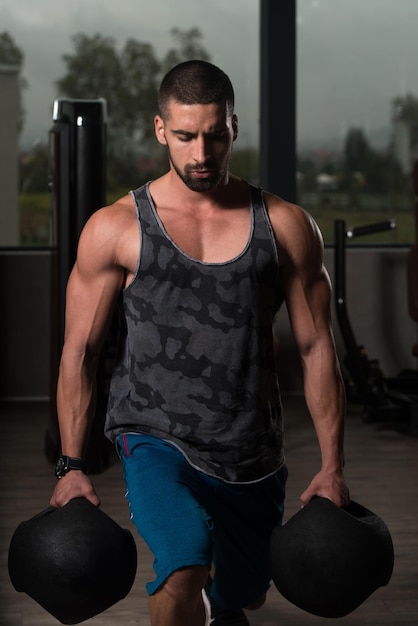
(278,97)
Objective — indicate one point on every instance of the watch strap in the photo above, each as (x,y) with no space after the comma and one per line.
(67,463)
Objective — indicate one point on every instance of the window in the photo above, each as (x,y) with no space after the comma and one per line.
(226,31)
(357,113)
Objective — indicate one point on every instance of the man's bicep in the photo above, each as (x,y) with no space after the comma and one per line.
(90,300)
(94,284)
(308,300)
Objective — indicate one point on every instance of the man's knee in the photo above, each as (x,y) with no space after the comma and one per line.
(186,582)
(257,604)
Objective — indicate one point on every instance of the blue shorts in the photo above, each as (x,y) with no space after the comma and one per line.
(188,518)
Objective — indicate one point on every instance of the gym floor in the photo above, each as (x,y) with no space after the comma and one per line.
(382,470)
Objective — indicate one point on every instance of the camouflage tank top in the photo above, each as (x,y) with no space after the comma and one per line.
(195,364)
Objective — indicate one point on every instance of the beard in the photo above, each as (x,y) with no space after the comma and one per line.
(201,185)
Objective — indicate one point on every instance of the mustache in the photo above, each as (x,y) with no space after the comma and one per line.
(199,167)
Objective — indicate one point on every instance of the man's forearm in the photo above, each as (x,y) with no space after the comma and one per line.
(325,399)
(76,393)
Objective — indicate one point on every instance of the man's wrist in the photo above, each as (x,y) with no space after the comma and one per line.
(66,463)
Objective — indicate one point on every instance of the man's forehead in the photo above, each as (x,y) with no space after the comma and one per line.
(195,112)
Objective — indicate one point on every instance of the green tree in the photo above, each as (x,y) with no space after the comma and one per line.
(405,108)
(307,173)
(125,79)
(357,159)
(128,79)
(11,54)
(188,47)
(357,151)
(385,175)
(367,170)
(33,169)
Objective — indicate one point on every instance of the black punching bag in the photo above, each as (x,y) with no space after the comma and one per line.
(327,560)
(74,561)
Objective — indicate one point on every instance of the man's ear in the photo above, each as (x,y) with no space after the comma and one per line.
(234,126)
(159,130)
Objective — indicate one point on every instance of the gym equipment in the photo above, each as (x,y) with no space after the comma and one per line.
(328,560)
(74,561)
(392,400)
(77,181)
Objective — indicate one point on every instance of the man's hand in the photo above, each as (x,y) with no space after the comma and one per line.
(329,485)
(75,484)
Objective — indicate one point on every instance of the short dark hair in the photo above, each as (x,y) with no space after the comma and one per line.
(195,82)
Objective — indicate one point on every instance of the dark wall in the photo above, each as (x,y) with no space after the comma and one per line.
(25,324)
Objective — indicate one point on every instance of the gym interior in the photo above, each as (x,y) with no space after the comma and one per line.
(375,310)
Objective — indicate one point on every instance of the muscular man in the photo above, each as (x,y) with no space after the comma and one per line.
(203,261)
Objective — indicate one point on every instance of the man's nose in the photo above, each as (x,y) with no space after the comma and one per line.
(201,150)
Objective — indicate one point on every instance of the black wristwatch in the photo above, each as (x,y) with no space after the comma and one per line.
(67,463)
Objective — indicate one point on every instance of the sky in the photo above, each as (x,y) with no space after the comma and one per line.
(353,57)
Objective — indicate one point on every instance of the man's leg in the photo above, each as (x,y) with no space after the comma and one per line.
(244,518)
(179,602)
(161,488)
(225,617)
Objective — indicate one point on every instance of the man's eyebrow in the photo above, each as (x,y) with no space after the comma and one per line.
(188,133)
(180,131)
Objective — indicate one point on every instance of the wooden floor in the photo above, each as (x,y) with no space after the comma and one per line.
(382,471)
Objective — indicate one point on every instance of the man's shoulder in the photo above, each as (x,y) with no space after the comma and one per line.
(115,215)
(110,236)
(106,226)
(294,228)
(286,214)
(125,204)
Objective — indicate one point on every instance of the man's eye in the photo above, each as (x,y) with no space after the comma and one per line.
(219,135)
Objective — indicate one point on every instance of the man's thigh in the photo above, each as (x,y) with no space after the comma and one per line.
(162,492)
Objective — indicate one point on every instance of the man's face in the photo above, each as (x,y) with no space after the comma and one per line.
(199,139)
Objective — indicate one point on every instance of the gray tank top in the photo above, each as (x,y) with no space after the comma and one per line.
(195,364)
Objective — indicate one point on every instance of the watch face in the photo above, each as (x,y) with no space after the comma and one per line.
(60,467)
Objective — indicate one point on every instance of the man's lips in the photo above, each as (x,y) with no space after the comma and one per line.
(202,173)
